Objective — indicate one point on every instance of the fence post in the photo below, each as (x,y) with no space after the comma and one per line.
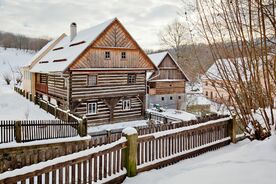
(108,132)
(47,107)
(55,112)
(232,129)
(39,103)
(130,152)
(17,131)
(67,116)
(82,127)
(31,97)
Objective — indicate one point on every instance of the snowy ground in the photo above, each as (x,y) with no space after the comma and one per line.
(174,114)
(14,106)
(12,59)
(117,126)
(242,163)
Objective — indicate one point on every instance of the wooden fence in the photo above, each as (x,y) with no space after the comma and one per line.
(31,130)
(6,131)
(107,136)
(131,154)
(48,107)
(162,148)
(47,129)
(95,165)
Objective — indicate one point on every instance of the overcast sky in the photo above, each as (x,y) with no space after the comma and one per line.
(50,18)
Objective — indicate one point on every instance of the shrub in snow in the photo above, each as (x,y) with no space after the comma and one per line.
(7,78)
(18,79)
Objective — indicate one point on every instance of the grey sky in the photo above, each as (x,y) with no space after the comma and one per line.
(50,18)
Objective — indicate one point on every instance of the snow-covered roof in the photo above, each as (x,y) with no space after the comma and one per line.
(66,51)
(230,66)
(157,58)
(44,50)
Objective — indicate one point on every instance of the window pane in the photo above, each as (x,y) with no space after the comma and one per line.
(123,55)
(126,104)
(107,55)
(131,78)
(91,108)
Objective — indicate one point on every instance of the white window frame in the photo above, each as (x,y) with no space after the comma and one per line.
(92,110)
(126,105)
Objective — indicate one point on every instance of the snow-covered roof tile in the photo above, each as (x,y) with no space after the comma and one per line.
(66,51)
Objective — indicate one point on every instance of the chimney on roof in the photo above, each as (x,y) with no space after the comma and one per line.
(73,30)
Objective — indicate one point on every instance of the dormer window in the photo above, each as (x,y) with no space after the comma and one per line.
(107,55)
(123,55)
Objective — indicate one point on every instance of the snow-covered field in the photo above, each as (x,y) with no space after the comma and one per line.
(14,106)
(242,163)
(13,59)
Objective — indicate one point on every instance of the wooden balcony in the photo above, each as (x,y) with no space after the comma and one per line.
(41,88)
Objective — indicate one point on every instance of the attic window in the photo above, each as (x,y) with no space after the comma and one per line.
(59,60)
(41,62)
(78,43)
(58,48)
(107,55)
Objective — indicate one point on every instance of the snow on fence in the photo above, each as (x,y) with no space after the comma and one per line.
(128,155)
(96,165)
(163,148)
(107,136)
(6,131)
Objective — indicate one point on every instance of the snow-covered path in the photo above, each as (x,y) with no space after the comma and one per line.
(15,107)
(244,163)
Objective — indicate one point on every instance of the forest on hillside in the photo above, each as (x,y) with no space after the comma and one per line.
(19,41)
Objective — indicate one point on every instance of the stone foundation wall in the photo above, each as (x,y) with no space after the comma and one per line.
(18,157)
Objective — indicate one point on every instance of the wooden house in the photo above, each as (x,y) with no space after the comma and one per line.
(166,85)
(99,73)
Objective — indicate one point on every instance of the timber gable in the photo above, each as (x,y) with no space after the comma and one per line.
(115,39)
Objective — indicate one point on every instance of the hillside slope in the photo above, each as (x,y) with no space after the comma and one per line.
(12,59)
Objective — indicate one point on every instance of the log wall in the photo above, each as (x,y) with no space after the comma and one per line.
(110,85)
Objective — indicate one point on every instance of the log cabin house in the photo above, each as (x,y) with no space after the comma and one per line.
(99,73)
(166,86)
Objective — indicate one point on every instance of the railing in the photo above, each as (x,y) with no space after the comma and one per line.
(50,108)
(41,87)
(160,118)
(162,148)
(98,164)
(6,131)
(127,156)
(107,136)
(32,130)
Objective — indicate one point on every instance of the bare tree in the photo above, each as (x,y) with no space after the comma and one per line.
(175,35)
(247,29)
